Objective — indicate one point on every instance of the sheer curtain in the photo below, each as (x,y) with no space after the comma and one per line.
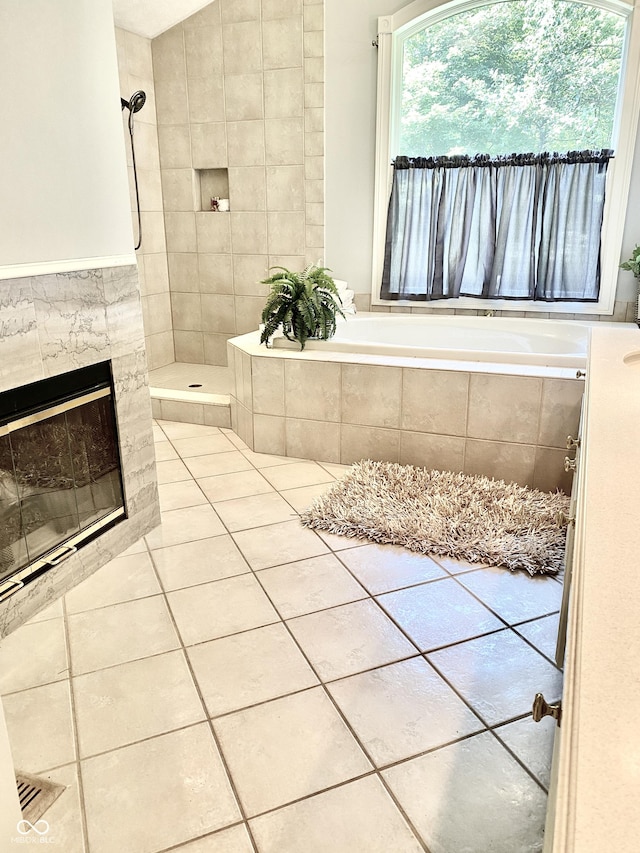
(518,227)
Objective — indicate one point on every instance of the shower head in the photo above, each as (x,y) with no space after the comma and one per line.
(135,103)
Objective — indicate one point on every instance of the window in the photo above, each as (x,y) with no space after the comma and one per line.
(523,76)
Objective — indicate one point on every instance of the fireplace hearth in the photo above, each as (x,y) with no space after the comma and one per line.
(60,471)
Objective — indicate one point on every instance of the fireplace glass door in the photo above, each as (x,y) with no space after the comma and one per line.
(60,480)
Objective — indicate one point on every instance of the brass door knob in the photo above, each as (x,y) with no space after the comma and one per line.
(569,464)
(541,709)
(580,374)
(572,442)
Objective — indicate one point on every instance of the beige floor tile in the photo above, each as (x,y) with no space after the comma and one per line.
(359,817)
(165,451)
(120,633)
(218,609)
(158,793)
(296,475)
(64,816)
(288,748)
(179,495)
(135,700)
(515,596)
(340,543)
(336,470)
(123,579)
(138,547)
(173,471)
(40,727)
(349,639)
(34,654)
(498,675)
(218,463)
(438,613)
(185,525)
(255,511)
(226,487)
(235,672)
(158,433)
(456,567)
(543,633)
(199,562)
(267,460)
(53,611)
(532,743)
(310,585)
(279,543)
(403,709)
(174,430)
(234,840)
(234,439)
(302,498)
(455,802)
(382,568)
(203,445)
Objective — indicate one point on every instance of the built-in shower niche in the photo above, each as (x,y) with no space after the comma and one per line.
(60,473)
(213,183)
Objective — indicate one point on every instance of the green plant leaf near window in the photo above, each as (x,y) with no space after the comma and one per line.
(633,264)
(304,304)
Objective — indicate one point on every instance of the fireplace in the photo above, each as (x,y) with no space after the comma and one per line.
(60,471)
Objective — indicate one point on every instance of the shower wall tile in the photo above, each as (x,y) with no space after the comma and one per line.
(206,17)
(243,96)
(286,232)
(313,95)
(310,437)
(149,190)
(203,51)
(183,269)
(245,140)
(435,401)
(209,145)
(249,233)
(174,142)
(234,11)
(285,188)
(248,313)
(303,381)
(501,460)
(314,43)
(314,214)
(284,142)
(269,435)
(276,9)
(313,70)
(146,144)
(153,230)
(313,18)
(442,452)
(282,43)
(268,382)
(160,350)
(218,313)
(148,115)
(248,273)
(186,312)
(206,99)
(241,47)
(178,190)
(215,349)
(284,93)
(214,232)
(156,313)
(247,188)
(181,231)
(171,100)
(215,273)
(361,442)
(504,408)
(168,55)
(361,383)
(189,346)
(156,274)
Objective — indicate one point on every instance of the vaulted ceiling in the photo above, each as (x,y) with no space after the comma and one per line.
(149,18)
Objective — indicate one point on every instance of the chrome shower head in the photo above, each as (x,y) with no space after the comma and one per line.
(135,103)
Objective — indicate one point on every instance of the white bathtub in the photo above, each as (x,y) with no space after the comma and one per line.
(547,343)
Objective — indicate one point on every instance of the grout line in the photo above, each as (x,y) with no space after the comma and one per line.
(74,724)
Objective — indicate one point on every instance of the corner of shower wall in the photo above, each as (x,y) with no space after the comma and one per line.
(240,97)
(136,72)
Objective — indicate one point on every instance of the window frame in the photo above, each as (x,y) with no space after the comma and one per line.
(392,31)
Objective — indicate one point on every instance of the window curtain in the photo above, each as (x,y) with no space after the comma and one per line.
(519,227)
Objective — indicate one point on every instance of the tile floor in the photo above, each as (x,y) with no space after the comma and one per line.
(239,683)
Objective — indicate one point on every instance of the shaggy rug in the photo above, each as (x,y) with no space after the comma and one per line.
(455,515)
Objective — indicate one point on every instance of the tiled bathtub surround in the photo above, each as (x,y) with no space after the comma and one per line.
(239,89)
(56,323)
(498,424)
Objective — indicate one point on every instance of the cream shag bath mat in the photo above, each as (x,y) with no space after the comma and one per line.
(455,515)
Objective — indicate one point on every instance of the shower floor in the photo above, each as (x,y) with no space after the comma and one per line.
(191,393)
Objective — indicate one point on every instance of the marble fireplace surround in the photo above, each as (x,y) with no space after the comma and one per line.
(55,323)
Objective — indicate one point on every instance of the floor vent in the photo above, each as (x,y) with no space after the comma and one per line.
(36,795)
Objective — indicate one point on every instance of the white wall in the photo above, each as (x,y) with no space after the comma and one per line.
(63,178)
(350,116)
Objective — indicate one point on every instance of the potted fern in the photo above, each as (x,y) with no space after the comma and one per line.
(633,265)
(304,304)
